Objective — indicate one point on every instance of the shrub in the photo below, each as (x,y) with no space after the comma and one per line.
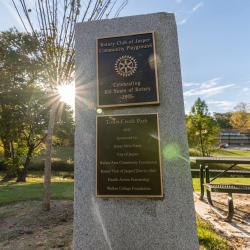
(66,166)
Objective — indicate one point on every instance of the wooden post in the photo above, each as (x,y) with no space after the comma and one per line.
(47,163)
(230,208)
(208,181)
(201,181)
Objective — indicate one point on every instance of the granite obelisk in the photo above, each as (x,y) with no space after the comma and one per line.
(161,220)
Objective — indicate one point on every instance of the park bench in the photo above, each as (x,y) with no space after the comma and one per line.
(204,162)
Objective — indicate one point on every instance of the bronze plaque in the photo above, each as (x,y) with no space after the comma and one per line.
(128,156)
(126,70)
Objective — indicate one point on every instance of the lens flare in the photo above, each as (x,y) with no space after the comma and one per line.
(67,94)
(171,152)
(99,111)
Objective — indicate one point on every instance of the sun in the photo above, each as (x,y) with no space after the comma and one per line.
(67,94)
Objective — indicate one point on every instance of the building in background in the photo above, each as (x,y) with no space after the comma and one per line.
(235,137)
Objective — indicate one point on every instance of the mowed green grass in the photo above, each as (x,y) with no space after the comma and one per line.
(227,153)
(240,181)
(63,188)
(12,192)
(232,153)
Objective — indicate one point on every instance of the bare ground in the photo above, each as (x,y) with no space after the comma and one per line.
(24,226)
(238,231)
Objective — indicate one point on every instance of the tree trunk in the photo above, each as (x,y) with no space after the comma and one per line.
(11,169)
(47,163)
(12,150)
(6,148)
(201,142)
(22,173)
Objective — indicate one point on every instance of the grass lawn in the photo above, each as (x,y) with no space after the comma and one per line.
(208,238)
(12,192)
(227,153)
(240,181)
(232,153)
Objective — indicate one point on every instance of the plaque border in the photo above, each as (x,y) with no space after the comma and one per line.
(156,73)
(161,195)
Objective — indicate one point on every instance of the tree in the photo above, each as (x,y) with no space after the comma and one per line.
(54,22)
(34,124)
(23,115)
(202,128)
(240,118)
(16,65)
(33,118)
(200,108)
(223,120)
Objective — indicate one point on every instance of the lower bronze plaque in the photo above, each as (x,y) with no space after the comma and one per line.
(128,156)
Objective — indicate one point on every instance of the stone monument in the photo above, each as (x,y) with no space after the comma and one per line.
(132,176)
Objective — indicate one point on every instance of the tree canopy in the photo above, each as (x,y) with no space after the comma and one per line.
(23,115)
(240,118)
(223,120)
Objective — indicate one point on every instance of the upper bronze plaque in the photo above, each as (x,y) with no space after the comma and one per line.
(126,70)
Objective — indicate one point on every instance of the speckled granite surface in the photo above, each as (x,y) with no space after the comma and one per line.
(133,224)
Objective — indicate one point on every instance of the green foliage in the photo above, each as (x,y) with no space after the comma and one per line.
(59,153)
(202,129)
(62,159)
(199,108)
(56,165)
(240,119)
(23,115)
(223,120)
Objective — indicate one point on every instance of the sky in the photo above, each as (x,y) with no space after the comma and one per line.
(214,43)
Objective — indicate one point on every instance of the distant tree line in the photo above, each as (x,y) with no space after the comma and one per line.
(238,119)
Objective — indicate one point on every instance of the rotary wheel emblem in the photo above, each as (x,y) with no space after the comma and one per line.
(125,66)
